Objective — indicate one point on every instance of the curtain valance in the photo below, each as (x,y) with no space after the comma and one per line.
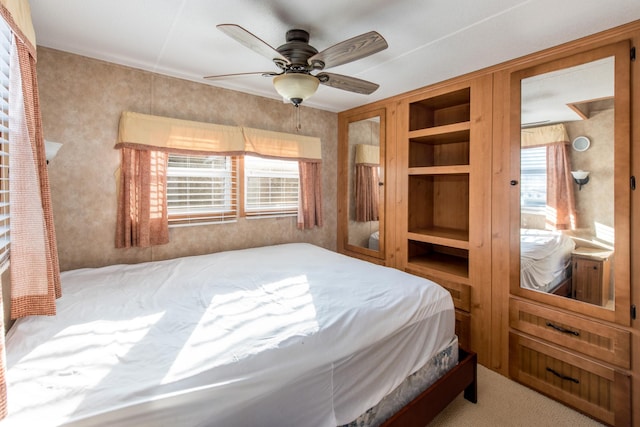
(20,13)
(166,134)
(143,131)
(282,145)
(545,135)
(367,154)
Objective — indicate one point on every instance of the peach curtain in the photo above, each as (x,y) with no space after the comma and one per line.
(142,199)
(310,200)
(367,161)
(367,196)
(35,274)
(561,213)
(34,269)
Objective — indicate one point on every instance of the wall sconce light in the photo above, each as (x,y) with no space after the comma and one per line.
(51,149)
(580,177)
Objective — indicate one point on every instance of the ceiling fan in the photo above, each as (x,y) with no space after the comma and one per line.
(297,59)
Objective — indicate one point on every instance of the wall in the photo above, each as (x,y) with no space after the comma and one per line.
(81,101)
(594,203)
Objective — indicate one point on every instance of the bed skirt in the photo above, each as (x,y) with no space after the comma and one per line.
(410,388)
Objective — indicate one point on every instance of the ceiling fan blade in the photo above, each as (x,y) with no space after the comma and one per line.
(254,43)
(255,73)
(351,84)
(350,50)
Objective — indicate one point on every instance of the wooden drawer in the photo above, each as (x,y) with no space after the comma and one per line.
(595,389)
(463,329)
(603,342)
(460,292)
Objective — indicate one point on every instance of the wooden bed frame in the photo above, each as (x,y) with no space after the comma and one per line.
(424,408)
(565,288)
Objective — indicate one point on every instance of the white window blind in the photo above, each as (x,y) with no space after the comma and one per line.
(271,187)
(201,189)
(5,55)
(533,170)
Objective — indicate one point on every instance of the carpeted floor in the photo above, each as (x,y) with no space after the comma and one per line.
(502,402)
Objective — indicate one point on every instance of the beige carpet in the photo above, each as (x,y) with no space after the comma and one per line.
(502,402)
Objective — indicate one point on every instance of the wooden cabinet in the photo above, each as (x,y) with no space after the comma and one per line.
(444,181)
(575,348)
(591,276)
(452,192)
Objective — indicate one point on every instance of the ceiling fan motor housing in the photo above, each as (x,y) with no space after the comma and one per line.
(298,50)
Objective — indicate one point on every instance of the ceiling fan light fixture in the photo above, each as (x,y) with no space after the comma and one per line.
(296,87)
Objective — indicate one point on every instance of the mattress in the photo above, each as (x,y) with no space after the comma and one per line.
(545,258)
(281,335)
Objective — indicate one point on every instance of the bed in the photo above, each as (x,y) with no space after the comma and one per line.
(545,261)
(281,335)
(374,240)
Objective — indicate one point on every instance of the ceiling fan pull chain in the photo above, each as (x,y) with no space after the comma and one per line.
(298,125)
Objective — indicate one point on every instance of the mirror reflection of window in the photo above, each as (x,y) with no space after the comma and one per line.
(533,184)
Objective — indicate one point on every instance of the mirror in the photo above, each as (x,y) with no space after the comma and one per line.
(571,176)
(365,178)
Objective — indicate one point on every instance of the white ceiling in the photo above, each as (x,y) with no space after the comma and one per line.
(429,40)
(546,97)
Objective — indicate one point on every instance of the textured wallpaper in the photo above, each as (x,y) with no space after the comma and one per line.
(594,203)
(81,101)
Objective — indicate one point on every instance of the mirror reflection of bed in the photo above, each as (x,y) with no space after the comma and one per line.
(567,226)
(545,261)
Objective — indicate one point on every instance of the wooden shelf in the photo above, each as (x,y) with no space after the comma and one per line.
(448,134)
(440,170)
(440,110)
(441,236)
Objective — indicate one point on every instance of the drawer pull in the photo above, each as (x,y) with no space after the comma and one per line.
(564,377)
(563,330)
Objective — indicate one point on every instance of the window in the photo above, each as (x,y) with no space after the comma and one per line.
(201,189)
(271,187)
(204,189)
(533,170)
(5,54)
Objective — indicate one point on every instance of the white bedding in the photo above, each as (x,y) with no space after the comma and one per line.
(374,241)
(281,335)
(544,257)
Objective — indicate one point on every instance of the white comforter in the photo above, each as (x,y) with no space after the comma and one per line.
(544,255)
(263,336)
